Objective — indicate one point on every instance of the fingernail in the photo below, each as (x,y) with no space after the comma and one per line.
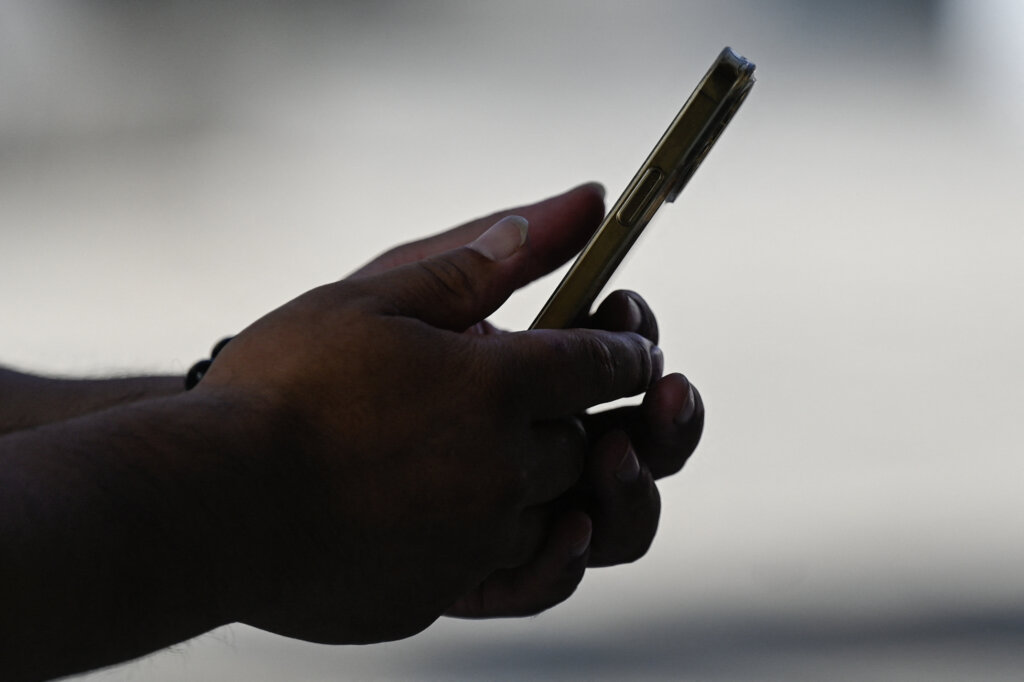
(502,239)
(688,409)
(629,468)
(634,316)
(580,547)
(657,363)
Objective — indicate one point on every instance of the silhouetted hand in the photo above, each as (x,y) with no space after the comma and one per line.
(616,504)
(415,460)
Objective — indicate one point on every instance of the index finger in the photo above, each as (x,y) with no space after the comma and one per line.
(564,371)
(625,311)
(559,227)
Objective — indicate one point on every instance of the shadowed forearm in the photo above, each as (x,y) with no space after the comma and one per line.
(124,532)
(27,400)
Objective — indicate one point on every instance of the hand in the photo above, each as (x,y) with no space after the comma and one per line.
(616,505)
(634,446)
(559,227)
(615,509)
(413,461)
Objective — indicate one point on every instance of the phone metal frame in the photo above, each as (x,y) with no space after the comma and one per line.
(661,178)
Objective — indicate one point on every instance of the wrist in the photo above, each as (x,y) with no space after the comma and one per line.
(153,521)
(253,497)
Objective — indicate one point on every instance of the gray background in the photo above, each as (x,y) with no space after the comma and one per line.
(842,280)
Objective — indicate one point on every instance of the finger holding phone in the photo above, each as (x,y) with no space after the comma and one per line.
(616,506)
(355,463)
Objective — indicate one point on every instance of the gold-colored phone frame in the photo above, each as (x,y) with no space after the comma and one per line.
(661,178)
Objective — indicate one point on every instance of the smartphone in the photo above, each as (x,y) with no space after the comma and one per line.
(661,178)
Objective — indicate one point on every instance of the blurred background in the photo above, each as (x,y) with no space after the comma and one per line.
(842,280)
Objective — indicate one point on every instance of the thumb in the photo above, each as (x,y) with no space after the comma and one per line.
(458,288)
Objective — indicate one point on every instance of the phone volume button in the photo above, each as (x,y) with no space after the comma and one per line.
(640,198)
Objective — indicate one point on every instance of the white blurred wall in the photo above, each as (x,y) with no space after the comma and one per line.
(841,280)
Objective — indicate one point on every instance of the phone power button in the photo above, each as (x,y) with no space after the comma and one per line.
(640,198)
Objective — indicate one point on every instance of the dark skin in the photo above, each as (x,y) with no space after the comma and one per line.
(27,401)
(353,466)
(660,434)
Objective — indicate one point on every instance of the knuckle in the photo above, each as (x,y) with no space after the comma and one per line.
(601,359)
(447,274)
(616,365)
(629,366)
